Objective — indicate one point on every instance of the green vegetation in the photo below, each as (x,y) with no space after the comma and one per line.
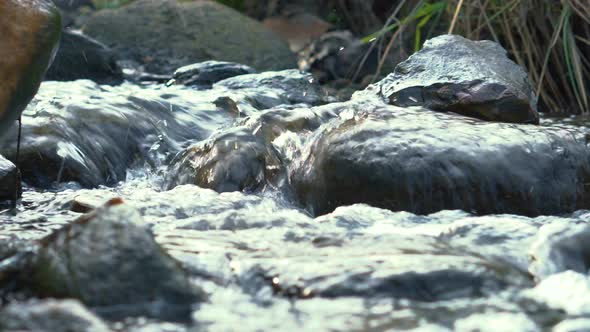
(549,38)
(238,5)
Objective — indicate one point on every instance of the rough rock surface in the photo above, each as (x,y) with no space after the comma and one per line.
(111,262)
(50,316)
(473,78)
(166,35)
(30,33)
(9,180)
(413,159)
(208,72)
(81,57)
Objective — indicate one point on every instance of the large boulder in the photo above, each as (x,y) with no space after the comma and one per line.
(414,159)
(30,33)
(10,186)
(81,57)
(109,260)
(165,35)
(473,78)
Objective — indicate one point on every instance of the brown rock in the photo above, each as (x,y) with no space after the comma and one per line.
(29,32)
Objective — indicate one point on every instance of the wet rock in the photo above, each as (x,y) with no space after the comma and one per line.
(110,262)
(81,57)
(10,186)
(30,33)
(50,316)
(183,33)
(472,78)
(208,72)
(298,87)
(235,160)
(92,134)
(558,247)
(413,159)
(80,131)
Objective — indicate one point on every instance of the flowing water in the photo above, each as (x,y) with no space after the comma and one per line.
(263,257)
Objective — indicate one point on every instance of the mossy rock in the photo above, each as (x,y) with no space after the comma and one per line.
(165,35)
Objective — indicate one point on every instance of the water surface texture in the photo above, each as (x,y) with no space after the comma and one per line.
(290,211)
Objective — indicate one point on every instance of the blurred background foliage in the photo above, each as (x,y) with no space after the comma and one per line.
(551,38)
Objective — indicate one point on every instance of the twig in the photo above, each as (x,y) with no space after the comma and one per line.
(456,16)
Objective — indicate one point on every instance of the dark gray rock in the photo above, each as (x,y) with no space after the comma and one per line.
(235,160)
(50,316)
(413,159)
(166,35)
(111,262)
(10,186)
(472,78)
(298,87)
(29,36)
(81,57)
(208,72)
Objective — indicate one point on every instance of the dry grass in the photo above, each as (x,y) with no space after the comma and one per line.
(548,37)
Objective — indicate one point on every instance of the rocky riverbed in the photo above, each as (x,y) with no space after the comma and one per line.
(229,199)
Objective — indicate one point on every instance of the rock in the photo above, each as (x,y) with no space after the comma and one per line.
(30,33)
(166,35)
(413,159)
(104,130)
(50,316)
(559,247)
(81,57)
(208,72)
(235,160)
(111,262)
(472,78)
(299,87)
(10,186)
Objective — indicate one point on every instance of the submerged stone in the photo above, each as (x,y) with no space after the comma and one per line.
(111,262)
(413,159)
(10,186)
(29,35)
(472,78)
(208,72)
(235,160)
(165,35)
